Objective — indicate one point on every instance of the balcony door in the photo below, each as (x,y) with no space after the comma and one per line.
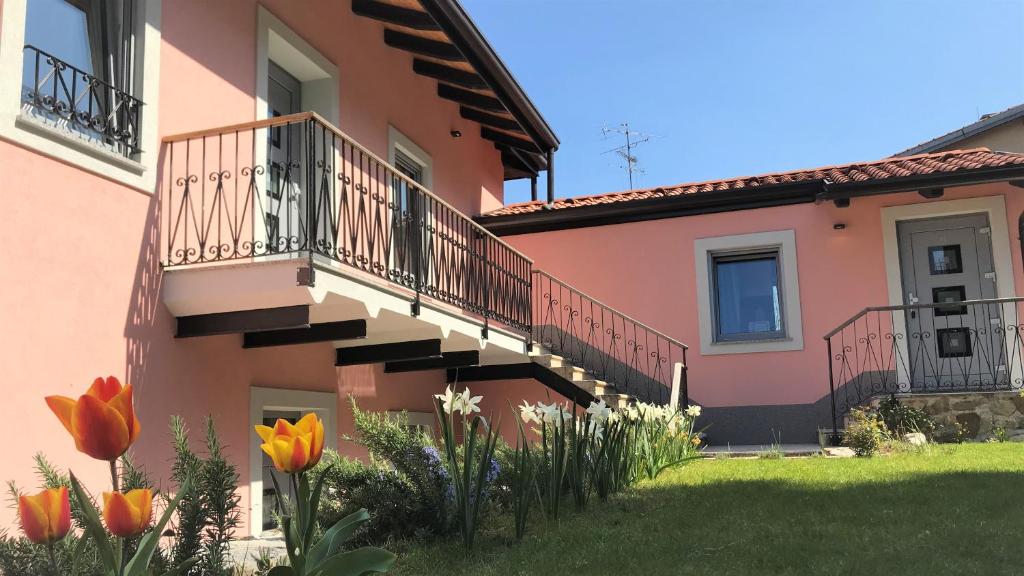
(949,259)
(285,226)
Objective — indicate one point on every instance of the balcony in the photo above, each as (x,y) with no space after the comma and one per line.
(288,231)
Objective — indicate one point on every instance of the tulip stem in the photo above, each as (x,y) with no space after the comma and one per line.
(53,559)
(114,476)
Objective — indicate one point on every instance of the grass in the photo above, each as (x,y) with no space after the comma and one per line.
(952,509)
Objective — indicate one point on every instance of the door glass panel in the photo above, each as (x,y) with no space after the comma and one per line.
(945,259)
(949,294)
(954,342)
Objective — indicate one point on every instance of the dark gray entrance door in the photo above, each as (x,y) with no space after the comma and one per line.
(284,149)
(949,259)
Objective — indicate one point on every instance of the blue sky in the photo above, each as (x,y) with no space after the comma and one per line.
(732,88)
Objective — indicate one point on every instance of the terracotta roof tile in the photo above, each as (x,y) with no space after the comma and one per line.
(897,167)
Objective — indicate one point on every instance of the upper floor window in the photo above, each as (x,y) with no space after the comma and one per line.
(78,70)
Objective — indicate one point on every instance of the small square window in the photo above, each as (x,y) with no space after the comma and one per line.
(945,259)
(747,296)
(954,342)
(949,294)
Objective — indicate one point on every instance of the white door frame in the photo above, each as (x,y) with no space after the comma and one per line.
(324,404)
(994,206)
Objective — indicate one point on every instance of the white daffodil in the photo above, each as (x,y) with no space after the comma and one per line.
(470,404)
(450,400)
(596,430)
(693,411)
(528,413)
(613,417)
(632,413)
(548,412)
(599,410)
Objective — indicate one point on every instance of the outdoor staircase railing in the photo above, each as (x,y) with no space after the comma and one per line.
(635,358)
(964,346)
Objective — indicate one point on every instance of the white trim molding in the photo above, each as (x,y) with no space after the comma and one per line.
(324,404)
(319,76)
(401,142)
(782,240)
(49,140)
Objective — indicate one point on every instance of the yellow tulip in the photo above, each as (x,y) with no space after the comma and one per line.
(102,421)
(293,447)
(45,517)
(128,514)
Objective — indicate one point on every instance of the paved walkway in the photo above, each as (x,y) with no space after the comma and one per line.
(759,449)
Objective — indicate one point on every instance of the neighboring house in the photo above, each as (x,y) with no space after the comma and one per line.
(788,285)
(1003,131)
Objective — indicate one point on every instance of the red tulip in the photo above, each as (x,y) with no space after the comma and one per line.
(102,421)
(128,514)
(45,517)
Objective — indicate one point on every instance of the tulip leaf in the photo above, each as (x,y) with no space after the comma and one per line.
(356,562)
(78,553)
(294,554)
(314,505)
(281,571)
(94,526)
(139,563)
(336,536)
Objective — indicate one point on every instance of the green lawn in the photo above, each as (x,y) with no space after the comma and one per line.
(950,510)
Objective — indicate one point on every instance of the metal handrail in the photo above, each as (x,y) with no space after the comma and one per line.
(640,324)
(292,118)
(904,307)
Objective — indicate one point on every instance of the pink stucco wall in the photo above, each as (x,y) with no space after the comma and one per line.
(840,272)
(80,284)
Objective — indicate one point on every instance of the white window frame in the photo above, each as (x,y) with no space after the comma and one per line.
(784,243)
(324,404)
(24,130)
(408,148)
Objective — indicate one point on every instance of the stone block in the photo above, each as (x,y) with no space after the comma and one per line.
(915,439)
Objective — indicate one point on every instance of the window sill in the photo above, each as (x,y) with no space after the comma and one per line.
(64,139)
(751,346)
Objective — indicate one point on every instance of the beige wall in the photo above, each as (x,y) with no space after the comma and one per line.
(1008,137)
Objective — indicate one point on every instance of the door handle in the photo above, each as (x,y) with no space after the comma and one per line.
(912,300)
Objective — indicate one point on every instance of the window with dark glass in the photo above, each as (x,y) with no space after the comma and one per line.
(747,296)
(945,259)
(78,70)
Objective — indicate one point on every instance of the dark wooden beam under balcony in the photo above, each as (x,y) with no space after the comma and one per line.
(243,321)
(393,14)
(490,119)
(469,98)
(323,332)
(422,46)
(447,360)
(448,74)
(392,352)
(528,163)
(508,139)
(493,372)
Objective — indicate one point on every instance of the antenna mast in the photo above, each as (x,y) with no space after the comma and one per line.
(625,152)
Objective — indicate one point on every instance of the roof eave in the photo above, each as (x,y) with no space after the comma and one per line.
(965,132)
(464,34)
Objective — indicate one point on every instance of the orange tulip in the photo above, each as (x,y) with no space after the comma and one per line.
(128,514)
(102,421)
(294,447)
(45,517)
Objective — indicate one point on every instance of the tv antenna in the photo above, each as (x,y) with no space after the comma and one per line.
(625,152)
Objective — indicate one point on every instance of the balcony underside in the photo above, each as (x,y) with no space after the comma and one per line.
(338,298)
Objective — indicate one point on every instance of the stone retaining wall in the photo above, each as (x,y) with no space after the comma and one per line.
(980,413)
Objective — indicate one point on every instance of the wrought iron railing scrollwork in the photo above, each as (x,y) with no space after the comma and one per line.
(615,348)
(296,185)
(968,346)
(74,100)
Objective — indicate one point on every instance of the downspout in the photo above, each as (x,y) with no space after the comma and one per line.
(551,178)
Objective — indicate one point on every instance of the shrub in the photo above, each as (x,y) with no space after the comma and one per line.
(209,514)
(901,419)
(865,432)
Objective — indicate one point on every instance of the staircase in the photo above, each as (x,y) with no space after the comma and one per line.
(579,378)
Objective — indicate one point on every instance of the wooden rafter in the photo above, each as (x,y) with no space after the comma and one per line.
(392,14)
(423,46)
(448,74)
(469,98)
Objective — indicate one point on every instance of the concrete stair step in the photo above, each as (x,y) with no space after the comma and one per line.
(550,361)
(616,401)
(596,387)
(572,373)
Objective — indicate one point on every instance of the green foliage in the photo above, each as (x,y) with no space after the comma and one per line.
(207,516)
(865,433)
(20,557)
(901,419)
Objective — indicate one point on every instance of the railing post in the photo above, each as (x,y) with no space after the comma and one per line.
(419,225)
(308,279)
(678,377)
(487,285)
(834,437)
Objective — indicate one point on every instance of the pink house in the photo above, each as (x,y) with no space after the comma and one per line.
(253,210)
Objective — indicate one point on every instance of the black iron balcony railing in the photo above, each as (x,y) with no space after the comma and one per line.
(975,345)
(80,103)
(297,185)
(635,358)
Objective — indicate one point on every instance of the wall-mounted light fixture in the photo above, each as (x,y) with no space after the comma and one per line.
(456,133)
(839,226)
